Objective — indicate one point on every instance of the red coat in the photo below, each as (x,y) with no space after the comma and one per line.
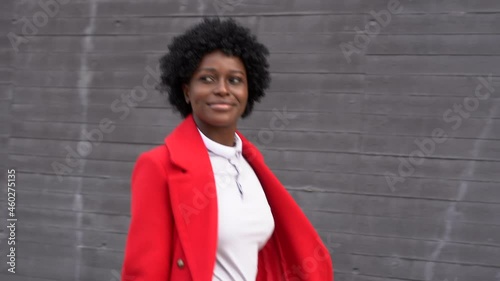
(173,228)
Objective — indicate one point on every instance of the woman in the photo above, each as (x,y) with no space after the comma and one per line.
(204,204)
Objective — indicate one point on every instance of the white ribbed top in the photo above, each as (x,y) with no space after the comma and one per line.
(245,218)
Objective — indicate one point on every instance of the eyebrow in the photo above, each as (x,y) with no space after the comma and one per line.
(211,69)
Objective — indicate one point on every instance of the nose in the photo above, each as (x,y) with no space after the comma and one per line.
(222,87)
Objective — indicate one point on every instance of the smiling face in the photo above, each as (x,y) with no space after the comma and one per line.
(217,91)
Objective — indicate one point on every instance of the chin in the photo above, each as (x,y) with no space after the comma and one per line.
(220,120)
(223,122)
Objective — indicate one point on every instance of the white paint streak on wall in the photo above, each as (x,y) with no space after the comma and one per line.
(201,7)
(84,82)
(451,212)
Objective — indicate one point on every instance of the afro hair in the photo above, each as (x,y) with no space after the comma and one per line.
(188,49)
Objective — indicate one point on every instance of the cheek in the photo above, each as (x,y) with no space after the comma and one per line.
(245,99)
(198,105)
(196,97)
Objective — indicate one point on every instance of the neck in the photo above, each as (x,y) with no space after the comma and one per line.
(222,135)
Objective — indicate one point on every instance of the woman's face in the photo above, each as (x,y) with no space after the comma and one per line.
(218,90)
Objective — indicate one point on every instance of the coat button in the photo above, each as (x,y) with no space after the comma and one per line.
(180,263)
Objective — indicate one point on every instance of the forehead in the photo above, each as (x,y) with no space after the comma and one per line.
(220,61)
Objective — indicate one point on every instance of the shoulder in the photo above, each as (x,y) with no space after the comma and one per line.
(157,155)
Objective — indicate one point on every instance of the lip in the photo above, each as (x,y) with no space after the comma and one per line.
(220,106)
(221,102)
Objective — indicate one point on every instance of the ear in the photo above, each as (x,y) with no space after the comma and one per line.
(185,89)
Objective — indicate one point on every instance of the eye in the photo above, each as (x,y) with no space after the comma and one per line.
(235,80)
(207,79)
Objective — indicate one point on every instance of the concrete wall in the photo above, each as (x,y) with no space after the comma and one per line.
(361,146)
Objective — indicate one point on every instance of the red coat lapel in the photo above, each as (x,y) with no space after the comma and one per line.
(193,195)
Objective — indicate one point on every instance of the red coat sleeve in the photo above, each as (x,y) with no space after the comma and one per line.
(149,241)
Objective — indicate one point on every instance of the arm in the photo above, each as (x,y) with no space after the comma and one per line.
(149,242)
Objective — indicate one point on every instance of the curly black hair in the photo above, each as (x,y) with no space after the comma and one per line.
(187,50)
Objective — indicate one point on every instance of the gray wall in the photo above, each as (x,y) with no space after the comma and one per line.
(340,127)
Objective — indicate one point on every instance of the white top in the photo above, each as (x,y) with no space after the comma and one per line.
(245,218)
